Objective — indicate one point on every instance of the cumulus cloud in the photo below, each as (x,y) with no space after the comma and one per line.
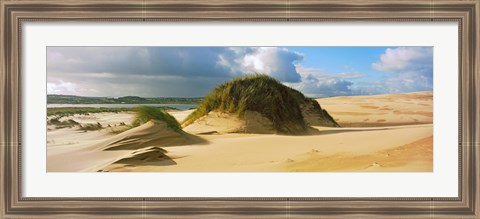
(404,58)
(314,87)
(61,87)
(407,68)
(276,62)
(122,69)
(273,61)
(194,71)
(317,83)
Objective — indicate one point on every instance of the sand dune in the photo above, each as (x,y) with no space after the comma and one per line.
(415,156)
(69,150)
(379,143)
(112,119)
(335,149)
(152,133)
(180,115)
(217,122)
(381,110)
(352,149)
(141,157)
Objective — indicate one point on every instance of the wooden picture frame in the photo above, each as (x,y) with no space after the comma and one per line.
(14,13)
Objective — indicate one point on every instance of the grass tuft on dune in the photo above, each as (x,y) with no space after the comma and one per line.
(147,113)
(91,126)
(260,93)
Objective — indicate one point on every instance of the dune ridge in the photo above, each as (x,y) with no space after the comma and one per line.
(141,157)
(152,133)
(381,110)
(265,104)
(386,146)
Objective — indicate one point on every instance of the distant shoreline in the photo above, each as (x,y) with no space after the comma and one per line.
(71,99)
(73,109)
(180,106)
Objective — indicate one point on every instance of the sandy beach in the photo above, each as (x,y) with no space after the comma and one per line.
(379,133)
(381,110)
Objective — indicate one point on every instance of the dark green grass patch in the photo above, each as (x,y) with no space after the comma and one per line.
(260,93)
(147,113)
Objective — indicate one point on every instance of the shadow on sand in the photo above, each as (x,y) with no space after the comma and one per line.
(346,130)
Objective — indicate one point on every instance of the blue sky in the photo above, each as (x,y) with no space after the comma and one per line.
(340,58)
(194,71)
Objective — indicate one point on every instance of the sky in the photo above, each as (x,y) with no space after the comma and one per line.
(195,71)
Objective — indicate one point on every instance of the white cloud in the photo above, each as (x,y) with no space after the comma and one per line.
(194,71)
(276,62)
(109,70)
(61,87)
(404,59)
(313,87)
(178,61)
(407,68)
(317,83)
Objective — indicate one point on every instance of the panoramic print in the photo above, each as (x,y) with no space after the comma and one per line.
(239,109)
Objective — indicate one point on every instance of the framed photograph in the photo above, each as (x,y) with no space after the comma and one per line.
(239,109)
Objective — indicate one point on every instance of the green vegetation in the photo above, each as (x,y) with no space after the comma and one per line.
(70,99)
(70,111)
(62,124)
(91,126)
(320,116)
(120,129)
(71,123)
(260,93)
(147,113)
(144,114)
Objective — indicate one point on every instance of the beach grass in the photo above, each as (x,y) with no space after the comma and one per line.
(62,124)
(256,92)
(91,126)
(147,113)
(70,111)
